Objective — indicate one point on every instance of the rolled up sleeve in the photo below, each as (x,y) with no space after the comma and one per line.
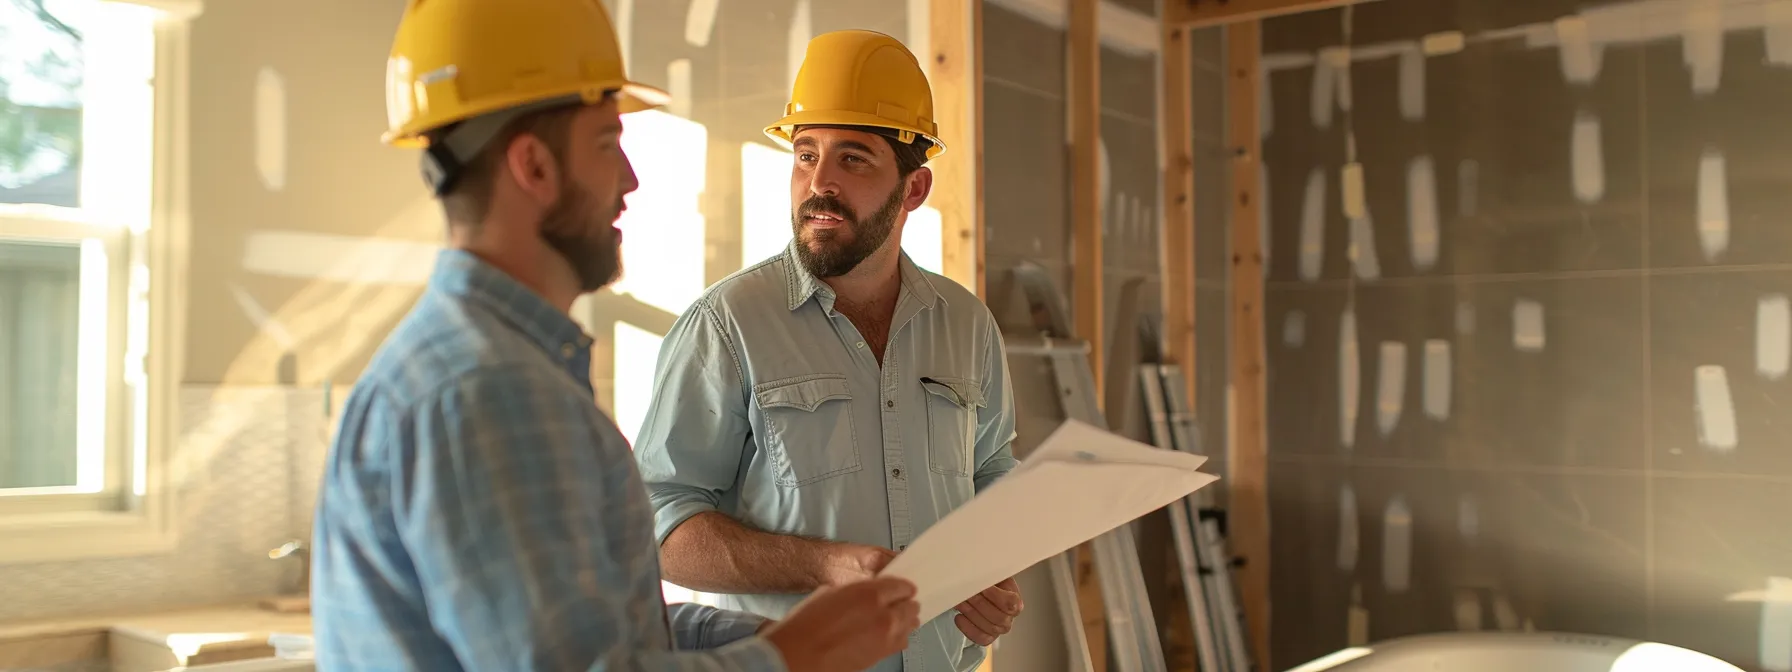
(690,444)
(995,421)
(516,510)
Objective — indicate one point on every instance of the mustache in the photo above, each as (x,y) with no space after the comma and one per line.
(826,203)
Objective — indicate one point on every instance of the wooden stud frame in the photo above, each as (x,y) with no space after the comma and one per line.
(1248,510)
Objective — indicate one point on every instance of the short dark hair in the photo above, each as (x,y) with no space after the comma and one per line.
(470,197)
(910,156)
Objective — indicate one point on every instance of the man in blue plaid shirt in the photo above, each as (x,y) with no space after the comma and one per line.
(478,511)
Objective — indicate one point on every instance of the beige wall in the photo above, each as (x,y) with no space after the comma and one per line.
(338,181)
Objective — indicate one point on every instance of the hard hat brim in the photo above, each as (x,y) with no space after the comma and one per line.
(782,131)
(631,96)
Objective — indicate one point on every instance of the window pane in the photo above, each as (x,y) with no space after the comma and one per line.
(39,333)
(42,70)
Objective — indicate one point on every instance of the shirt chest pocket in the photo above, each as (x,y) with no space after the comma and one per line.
(952,405)
(808,428)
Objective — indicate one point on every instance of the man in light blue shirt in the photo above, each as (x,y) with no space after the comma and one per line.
(477,511)
(815,413)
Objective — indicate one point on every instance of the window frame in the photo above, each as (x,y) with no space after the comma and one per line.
(135,511)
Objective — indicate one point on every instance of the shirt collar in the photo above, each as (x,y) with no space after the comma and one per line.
(462,274)
(802,284)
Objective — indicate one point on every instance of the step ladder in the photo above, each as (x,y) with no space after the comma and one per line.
(1133,644)
(1201,554)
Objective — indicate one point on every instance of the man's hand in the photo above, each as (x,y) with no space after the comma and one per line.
(990,614)
(844,563)
(847,627)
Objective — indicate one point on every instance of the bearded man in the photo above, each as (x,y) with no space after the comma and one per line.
(478,512)
(814,413)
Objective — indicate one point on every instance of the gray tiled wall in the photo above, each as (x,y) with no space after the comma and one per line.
(255,454)
(1572,477)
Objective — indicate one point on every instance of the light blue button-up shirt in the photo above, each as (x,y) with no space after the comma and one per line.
(768,406)
(479,512)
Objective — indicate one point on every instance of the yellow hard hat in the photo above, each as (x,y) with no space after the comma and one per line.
(455,60)
(861,78)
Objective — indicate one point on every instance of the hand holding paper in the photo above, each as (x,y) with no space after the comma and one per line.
(1079,484)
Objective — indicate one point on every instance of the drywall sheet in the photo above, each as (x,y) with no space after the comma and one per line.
(1080,483)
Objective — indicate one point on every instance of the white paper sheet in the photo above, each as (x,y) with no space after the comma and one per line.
(1079,484)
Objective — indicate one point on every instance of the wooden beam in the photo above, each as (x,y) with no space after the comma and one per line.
(1175,134)
(1248,510)
(1204,13)
(955,72)
(1084,103)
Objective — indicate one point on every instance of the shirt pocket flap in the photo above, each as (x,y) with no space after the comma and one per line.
(964,392)
(804,393)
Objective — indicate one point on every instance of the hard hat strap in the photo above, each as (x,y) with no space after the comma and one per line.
(447,156)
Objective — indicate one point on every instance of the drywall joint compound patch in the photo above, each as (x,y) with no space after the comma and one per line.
(1580,57)
(1779,32)
(1390,387)
(1349,534)
(1527,326)
(1436,391)
(1362,248)
(1703,45)
(1312,227)
(1716,414)
(1396,546)
(1412,85)
(1714,204)
(1776,625)
(270,129)
(1444,43)
(1773,336)
(1421,212)
(1587,159)
(700,22)
(1468,183)
(1294,329)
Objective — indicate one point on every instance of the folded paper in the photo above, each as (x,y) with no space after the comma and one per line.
(1079,484)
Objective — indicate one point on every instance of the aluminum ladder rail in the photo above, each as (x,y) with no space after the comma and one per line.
(1131,628)
(1224,620)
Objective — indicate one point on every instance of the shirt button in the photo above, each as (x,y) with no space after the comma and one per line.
(903,547)
(861,344)
(890,403)
(896,473)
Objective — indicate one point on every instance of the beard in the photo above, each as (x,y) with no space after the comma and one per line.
(584,234)
(824,253)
